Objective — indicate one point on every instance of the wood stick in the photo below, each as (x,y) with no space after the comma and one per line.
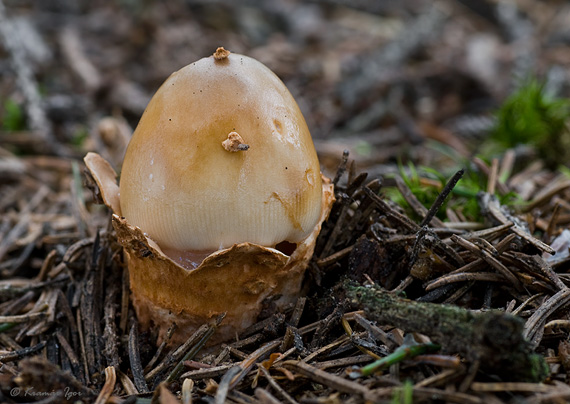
(494,338)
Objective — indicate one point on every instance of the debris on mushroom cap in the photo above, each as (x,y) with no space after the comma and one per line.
(234,143)
(221,53)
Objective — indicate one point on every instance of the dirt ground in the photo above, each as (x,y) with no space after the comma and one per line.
(463,296)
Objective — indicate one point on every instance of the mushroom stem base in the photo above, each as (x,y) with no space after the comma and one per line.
(240,281)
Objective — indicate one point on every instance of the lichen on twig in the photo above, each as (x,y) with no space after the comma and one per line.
(493,338)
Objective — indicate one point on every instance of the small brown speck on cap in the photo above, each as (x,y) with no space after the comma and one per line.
(221,53)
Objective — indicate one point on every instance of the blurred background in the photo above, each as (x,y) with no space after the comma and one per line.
(376,77)
(391,81)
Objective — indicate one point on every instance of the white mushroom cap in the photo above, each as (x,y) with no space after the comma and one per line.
(190,192)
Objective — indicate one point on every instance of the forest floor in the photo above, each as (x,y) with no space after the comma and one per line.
(462,298)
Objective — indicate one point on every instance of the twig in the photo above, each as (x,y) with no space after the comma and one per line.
(225,385)
(415,203)
(111,350)
(547,269)
(490,259)
(547,194)
(496,339)
(135,360)
(331,259)
(529,387)
(437,204)
(339,225)
(297,312)
(89,308)
(19,354)
(82,349)
(194,350)
(187,387)
(23,318)
(177,354)
(75,364)
(464,277)
(107,390)
(207,373)
(161,347)
(493,208)
(534,327)
(341,167)
(333,381)
(402,220)
(378,334)
(265,396)
(246,365)
(276,386)
(343,339)
(489,233)
(125,293)
(343,362)
(438,378)
(427,238)
(127,383)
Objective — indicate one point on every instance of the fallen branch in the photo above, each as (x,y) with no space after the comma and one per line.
(493,338)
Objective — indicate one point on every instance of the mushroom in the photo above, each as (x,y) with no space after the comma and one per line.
(220,198)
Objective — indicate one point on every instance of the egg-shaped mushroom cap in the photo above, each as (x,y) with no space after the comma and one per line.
(190,191)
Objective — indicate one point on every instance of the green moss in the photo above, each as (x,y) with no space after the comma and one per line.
(463,198)
(531,116)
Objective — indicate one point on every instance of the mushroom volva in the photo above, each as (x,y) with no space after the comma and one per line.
(220,198)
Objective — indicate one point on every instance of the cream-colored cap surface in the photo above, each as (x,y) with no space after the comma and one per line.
(187,191)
